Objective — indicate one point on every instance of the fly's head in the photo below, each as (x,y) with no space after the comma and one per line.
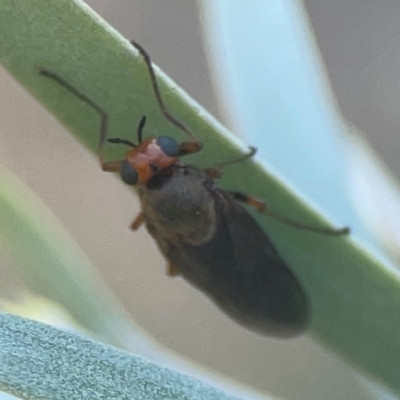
(148,158)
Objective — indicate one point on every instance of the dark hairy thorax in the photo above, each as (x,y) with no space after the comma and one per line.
(178,202)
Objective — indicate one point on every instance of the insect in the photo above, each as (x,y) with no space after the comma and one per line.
(204,232)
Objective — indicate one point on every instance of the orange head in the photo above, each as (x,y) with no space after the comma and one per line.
(149,157)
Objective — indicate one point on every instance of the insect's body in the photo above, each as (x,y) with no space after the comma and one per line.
(217,246)
(205,234)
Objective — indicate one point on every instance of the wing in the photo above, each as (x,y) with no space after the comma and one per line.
(265,295)
(240,269)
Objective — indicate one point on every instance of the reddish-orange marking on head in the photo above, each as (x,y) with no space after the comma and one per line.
(148,158)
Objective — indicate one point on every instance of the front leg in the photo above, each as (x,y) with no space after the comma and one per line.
(172,270)
(138,221)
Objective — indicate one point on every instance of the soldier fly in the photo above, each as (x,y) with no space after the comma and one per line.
(204,232)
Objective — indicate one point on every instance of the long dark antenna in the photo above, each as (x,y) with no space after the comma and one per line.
(141,125)
(121,141)
(157,93)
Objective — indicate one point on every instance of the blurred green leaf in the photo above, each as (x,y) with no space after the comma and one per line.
(41,362)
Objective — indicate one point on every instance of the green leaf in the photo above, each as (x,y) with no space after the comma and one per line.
(355,297)
(41,362)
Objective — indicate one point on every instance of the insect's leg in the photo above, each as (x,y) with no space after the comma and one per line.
(263,209)
(159,99)
(252,151)
(138,221)
(213,173)
(189,148)
(172,270)
(90,103)
(216,172)
(111,166)
(136,224)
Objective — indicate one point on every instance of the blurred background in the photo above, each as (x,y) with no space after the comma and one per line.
(358,41)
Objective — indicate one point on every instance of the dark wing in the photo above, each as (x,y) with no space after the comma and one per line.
(265,295)
(240,269)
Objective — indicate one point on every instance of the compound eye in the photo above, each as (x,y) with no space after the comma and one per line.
(128,174)
(168,145)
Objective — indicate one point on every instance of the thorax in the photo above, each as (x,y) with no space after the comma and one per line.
(179,202)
